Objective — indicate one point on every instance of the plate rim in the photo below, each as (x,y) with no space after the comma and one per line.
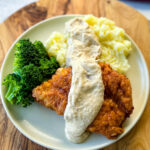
(57,147)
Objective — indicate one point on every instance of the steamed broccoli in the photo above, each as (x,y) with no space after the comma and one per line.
(12,82)
(41,50)
(48,67)
(25,53)
(32,66)
(17,93)
(31,76)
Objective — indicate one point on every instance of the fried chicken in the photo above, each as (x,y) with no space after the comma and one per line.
(117,105)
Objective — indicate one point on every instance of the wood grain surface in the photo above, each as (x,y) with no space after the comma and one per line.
(135,25)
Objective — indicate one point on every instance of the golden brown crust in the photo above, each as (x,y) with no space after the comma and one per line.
(116,107)
(117,87)
(54,92)
(109,120)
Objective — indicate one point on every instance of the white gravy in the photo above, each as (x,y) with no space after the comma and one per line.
(87,90)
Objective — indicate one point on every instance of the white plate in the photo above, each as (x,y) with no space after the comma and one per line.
(42,125)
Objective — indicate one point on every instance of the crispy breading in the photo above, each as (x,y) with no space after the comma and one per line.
(117,105)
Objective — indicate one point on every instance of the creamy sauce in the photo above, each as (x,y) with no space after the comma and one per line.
(87,90)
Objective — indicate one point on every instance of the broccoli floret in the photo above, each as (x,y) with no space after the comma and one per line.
(48,67)
(41,50)
(16,93)
(25,53)
(30,75)
(32,66)
(12,82)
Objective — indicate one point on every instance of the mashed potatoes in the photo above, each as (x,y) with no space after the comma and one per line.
(57,47)
(115,48)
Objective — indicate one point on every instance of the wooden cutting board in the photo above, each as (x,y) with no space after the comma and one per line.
(134,23)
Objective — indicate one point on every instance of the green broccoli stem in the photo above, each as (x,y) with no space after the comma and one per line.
(9,95)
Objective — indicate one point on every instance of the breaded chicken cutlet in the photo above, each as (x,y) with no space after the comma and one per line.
(117,105)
